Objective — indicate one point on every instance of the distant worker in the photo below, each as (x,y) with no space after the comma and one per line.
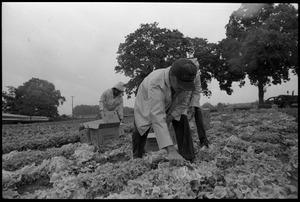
(194,107)
(162,98)
(112,100)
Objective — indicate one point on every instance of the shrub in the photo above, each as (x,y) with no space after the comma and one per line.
(209,106)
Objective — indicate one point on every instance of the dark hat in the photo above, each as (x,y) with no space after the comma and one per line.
(185,72)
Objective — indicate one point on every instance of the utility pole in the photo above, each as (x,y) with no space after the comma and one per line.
(72,106)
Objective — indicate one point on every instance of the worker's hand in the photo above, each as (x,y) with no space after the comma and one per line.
(99,116)
(120,118)
(174,157)
(169,119)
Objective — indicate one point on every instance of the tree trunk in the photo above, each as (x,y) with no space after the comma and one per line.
(260,93)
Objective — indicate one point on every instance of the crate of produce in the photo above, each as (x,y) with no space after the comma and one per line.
(103,129)
(151,142)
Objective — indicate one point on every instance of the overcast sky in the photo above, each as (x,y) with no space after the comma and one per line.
(74,45)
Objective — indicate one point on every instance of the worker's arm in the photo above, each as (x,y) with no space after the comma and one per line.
(195,95)
(159,124)
(102,100)
(120,109)
(160,127)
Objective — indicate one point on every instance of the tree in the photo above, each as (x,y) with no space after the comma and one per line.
(8,104)
(147,49)
(213,64)
(262,43)
(226,69)
(86,109)
(35,97)
(208,59)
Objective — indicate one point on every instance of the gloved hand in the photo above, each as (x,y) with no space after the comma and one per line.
(120,118)
(174,157)
(169,119)
(191,111)
(100,112)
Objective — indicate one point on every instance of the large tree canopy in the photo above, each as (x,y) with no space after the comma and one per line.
(262,43)
(226,69)
(208,58)
(35,97)
(147,49)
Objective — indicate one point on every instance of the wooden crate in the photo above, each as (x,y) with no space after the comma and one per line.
(151,142)
(102,129)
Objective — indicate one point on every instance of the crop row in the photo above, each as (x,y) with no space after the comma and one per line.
(245,160)
(39,136)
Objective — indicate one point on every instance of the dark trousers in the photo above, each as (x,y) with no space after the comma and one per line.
(200,124)
(138,142)
(183,137)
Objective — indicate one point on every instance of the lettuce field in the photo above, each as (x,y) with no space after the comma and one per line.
(252,154)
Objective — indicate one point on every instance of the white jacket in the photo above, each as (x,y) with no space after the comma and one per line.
(152,101)
(109,103)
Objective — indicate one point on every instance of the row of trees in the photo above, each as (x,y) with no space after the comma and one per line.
(261,43)
(38,97)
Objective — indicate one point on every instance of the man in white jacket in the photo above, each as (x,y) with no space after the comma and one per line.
(112,100)
(162,98)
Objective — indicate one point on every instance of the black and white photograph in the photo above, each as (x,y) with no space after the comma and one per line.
(149,100)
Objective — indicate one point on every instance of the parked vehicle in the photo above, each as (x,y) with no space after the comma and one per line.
(283,101)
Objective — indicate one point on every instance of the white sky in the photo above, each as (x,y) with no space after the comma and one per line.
(74,45)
